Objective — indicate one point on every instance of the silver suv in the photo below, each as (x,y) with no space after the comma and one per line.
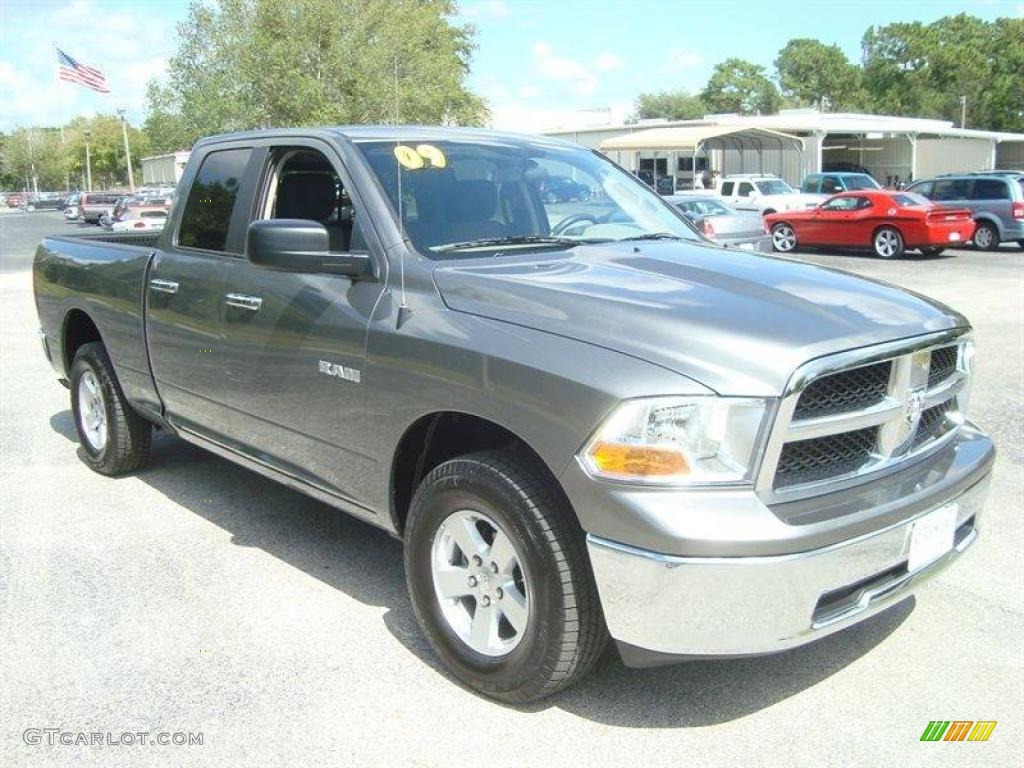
(996,200)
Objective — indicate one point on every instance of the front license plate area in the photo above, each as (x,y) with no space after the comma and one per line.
(932,536)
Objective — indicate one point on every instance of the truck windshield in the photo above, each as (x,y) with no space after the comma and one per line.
(468,197)
(773,187)
(860,181)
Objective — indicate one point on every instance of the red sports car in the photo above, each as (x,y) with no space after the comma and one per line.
(888,223)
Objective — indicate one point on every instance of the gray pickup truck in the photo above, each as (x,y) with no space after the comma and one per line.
(582,418)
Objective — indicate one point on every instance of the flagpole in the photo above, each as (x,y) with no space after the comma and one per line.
(127,151)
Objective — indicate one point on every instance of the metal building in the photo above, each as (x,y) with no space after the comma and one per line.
(797,142)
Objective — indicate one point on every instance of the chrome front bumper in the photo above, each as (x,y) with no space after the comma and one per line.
(739,606)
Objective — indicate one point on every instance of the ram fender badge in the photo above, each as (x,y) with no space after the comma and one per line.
(340,371)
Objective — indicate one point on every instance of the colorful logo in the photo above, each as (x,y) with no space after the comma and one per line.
(958,730)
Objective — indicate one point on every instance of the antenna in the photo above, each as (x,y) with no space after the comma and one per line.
(402,305)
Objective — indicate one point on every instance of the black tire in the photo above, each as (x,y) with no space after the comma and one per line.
(887,243)
(565,632)
(1020,244)
(986,237)
(128,435)
(931,253)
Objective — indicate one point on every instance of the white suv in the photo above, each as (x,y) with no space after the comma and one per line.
(764,194)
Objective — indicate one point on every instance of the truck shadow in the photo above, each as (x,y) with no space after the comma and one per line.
(365,563)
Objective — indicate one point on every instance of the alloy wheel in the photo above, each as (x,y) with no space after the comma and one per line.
(480,583)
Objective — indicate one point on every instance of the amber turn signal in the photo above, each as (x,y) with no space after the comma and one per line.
(624,460)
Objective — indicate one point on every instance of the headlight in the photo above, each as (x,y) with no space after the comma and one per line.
(677,441)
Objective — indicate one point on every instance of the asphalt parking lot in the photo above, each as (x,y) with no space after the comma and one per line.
(198,597)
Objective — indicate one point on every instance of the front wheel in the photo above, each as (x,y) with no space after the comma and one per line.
(888,243)
(114,437)
(783,238)
(499,577)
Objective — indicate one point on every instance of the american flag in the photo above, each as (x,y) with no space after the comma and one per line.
(80,73)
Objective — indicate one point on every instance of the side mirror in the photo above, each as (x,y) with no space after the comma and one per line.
(300,245)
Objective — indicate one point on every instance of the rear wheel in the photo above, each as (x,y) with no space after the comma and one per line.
(783,238)
(115,439)
(888,243)
(986,238)
(499,577)
(1020,244)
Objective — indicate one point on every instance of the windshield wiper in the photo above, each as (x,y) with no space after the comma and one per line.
(652,236)
(511,240)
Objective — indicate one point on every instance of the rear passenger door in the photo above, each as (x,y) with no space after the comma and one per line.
(992,197)
(185,289)
(294,343)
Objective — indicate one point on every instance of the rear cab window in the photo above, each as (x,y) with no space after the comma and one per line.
(211,200)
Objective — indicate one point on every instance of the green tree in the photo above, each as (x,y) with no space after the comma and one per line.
(739,86)
(258,63)
(106,150)
(924,70)
(674,105)
(814,74)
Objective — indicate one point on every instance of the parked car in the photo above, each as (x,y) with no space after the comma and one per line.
(888,223)
(51,201)
(827,184)
(764,194)
(16,200)
(630,431)
(722,223)
(141,218)
(71,207)
(664,185)
(995,200)
(93,205)
(562,189)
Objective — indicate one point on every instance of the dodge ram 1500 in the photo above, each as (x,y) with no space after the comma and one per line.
(582,418)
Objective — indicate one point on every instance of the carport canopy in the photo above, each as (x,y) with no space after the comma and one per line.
(691,138)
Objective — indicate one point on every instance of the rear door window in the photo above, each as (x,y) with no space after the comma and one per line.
(830,185)
(990,189)
(211,200)
(812,184)
(727,188)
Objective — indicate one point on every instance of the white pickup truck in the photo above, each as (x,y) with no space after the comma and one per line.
(764,194)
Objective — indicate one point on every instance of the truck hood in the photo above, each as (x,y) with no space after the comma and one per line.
(738,323)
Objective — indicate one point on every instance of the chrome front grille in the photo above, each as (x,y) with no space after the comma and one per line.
(860,412)
(846,391)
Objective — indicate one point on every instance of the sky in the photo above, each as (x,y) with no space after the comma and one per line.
(539,63)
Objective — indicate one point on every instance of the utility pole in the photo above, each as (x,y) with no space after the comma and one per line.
(963,111)
(88,162)
(127,151)
(34,183)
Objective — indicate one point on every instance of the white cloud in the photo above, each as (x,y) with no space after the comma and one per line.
(606,62)
(574,74)
(528,92)
(680,59)
(484,9)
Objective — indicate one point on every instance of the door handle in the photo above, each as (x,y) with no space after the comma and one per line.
(241,301)
(164,286)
